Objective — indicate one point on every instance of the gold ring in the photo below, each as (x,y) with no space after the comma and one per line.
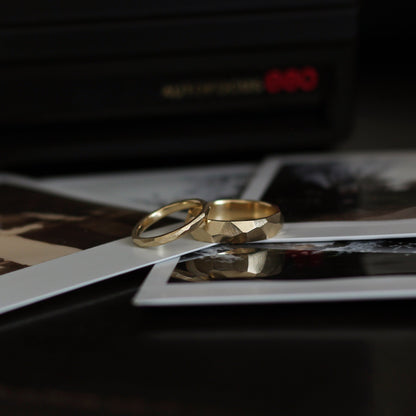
(239,221)
(198,209)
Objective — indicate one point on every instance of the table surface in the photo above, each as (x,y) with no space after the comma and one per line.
(90,352)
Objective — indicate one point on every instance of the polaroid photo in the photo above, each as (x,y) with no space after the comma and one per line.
(54,239)
(148,190)
(284,272)
(342,196)
(323,198)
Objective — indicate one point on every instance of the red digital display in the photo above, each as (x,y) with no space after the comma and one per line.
(291,80)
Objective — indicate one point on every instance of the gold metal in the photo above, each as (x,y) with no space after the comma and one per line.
(236,263)
(239,221)
(197,211)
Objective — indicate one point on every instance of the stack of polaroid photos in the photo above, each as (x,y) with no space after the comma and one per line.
(349,233)
(61,234)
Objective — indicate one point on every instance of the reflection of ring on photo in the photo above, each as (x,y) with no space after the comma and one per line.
(239,221)
(236,263)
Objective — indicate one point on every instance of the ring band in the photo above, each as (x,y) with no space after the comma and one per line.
(198,209)
(239,221)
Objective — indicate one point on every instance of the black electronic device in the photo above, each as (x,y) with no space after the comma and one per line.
(87,80)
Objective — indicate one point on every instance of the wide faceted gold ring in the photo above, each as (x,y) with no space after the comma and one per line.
(239,221)
(197,211)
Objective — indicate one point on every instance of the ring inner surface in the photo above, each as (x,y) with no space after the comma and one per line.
(194,207)
(239,210)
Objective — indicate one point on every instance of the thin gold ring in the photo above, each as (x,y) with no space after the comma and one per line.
(197,211)
(239,221)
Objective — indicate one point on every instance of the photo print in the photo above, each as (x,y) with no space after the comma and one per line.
(52,242)
(284,272)
(38,226)
(150,189)
(297,261)
(348,196)
(349,220)
(345,190)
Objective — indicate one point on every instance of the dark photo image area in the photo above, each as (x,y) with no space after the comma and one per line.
(38,226)
(341,191)
(302,262)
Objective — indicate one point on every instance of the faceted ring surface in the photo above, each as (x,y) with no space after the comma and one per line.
(197,211)
(239,221)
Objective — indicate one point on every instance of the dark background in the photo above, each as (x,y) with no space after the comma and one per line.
(382,97)
(386,84)
(90,352)
(382,93)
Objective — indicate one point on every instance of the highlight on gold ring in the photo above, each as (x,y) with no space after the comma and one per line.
(239,221)
(197,211)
